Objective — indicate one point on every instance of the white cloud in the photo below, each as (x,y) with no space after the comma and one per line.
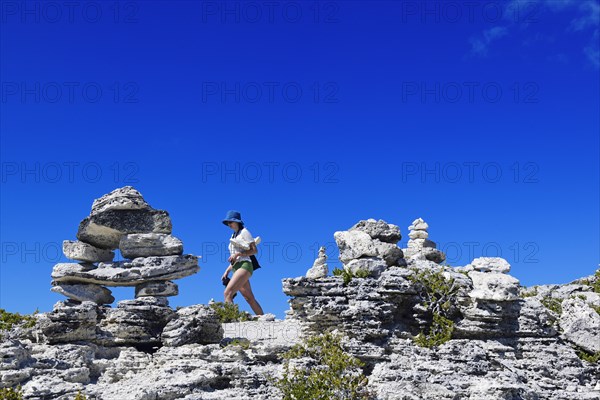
(479,46)
(592,50)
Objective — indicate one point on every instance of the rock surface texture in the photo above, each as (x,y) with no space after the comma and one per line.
(504,341)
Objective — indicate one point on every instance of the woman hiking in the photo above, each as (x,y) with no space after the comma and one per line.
(241,247)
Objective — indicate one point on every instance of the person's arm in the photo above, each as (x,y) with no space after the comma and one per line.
(227,271)
(246,253)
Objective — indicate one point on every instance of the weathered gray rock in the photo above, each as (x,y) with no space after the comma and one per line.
(158,288)
(354,244)
(418,234)
(69,322)
(84,292)
(490,264)
(419,244)
(391,253)
(373,265)
(136,322)
(128,273)
(387,233)
(149,244)
(319,268)
(76,250)
(580,324)
(125,198)
(494,286)
(104,229)
(193,324)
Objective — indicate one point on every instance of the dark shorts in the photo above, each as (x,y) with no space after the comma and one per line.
(246,265)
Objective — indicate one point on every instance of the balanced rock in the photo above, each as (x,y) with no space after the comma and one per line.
(389,252)
(158,288)
(319,268)
(76,250)
(490,264)
(494,286)
(128,273)
(418,225)
(381,230)
(84,292)
(104,229)
(354,244)
(125,198)
(149,244)
(198,324)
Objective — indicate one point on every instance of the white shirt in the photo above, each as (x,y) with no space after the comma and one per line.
(245,237)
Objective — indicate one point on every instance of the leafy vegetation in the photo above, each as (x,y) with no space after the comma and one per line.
(334,374)
(11,394)
(9,320)
(243,343)
(553,304)
(347,276)
(229,312)
(591,358)
(595,282)
(80,396)
(437,293)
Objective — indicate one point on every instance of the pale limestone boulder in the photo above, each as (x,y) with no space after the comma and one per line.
(494,286)
(149,244)
(387,233)
(580,324)
(128,273)
(354,244)
(373,265)
(490,264)
(76,250)
(194,324)
(84,292)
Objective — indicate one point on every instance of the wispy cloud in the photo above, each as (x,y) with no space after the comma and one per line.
(480,45)
(587,18)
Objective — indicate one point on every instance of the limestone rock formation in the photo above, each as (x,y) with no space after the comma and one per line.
(123,219)
(499,339)
(419,246)
(319,268)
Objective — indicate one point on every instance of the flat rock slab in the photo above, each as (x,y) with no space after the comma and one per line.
(125,198)
(128,273)
(149,244)
(104,230)
(84,292)
(76,250)
(159,288)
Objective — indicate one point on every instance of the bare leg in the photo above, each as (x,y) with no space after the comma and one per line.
(246,291)
(239,278)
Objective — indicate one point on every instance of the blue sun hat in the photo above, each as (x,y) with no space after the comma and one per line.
(233,216)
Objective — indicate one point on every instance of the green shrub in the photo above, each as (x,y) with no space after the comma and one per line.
(595,308)
(229,312)
(9,320)
(437,294)
(596,283)
(347,276)
(243,343)
(335,374)
(591,358)
(11,394)
(553,304)
(80,396)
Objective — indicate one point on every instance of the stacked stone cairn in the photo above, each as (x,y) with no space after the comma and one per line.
(153,258)
(419,245)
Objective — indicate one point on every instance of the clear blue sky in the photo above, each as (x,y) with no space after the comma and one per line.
(307,117)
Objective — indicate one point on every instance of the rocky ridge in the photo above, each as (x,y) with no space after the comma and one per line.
(504,341)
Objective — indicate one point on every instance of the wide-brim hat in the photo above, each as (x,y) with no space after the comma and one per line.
(233,216)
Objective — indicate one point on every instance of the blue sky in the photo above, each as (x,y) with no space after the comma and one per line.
(483,119)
